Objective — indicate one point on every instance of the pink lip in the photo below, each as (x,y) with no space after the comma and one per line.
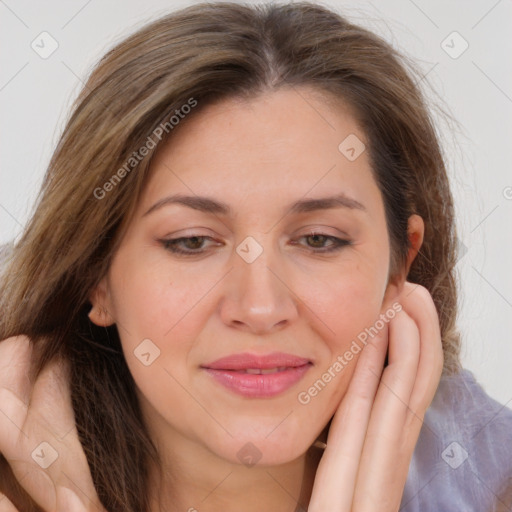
(229,371)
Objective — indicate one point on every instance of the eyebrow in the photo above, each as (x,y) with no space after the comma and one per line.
(209,205)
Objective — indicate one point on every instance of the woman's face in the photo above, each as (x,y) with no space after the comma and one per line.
(274,276)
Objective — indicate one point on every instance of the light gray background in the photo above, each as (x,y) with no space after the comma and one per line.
(476,87)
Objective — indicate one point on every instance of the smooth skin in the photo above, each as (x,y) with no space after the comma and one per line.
(257,157)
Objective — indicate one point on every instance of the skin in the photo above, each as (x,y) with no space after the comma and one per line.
(258,157)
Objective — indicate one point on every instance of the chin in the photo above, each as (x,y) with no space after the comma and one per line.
(261,449)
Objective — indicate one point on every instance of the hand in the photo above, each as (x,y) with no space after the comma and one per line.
(41,412)
(377,424)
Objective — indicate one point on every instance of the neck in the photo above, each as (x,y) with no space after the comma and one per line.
(193,479)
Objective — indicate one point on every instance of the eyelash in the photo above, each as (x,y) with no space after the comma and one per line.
(171,244)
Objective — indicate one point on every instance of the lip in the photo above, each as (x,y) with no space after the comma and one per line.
(230,371)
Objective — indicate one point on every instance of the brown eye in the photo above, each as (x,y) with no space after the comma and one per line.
(186,245)
(316,242)
(194,242)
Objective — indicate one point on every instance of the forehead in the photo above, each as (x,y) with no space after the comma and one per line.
(288,143)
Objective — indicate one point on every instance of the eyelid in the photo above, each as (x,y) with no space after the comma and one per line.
(314,229)
(190,232)
(335,246)
(310,230)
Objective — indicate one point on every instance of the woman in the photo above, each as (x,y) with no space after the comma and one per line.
(237,289)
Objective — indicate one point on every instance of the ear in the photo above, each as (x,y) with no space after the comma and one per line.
(101,306)
(415,233)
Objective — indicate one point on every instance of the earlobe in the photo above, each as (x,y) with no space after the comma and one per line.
(100,316)
(100,311)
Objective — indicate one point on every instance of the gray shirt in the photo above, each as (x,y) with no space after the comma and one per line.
(463,458)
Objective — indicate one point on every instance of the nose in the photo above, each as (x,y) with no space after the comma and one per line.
(257,297)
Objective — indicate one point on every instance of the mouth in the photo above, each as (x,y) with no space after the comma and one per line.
(258,376)
(262,371)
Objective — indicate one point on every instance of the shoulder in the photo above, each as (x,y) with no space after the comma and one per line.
(463,458)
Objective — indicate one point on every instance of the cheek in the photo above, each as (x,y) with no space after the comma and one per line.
(155,301)
(152,301)
(346,304)
(157,316)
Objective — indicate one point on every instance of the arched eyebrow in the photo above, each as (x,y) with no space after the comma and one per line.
(210,205)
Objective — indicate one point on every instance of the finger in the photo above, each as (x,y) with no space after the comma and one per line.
(15,388)
(398,379)
(57,439)
(15,355)
(51,405)
(391,442)
(68,500)
(46,416)
(419,304)
(337,471)
(13,414)
(6,505)
(21,444)
(46,455)
(51,399)
(385,457)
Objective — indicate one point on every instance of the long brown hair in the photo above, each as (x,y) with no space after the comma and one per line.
(208,52)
